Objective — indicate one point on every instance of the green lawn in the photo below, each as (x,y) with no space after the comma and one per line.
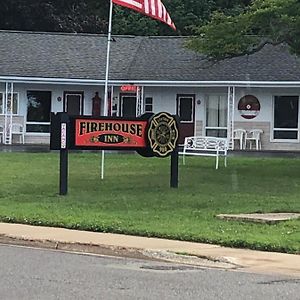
(135,198)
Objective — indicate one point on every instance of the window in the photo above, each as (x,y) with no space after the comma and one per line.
(186,108)
(216,116)
(14,105)
(286,109)
(38,111)
(149,104)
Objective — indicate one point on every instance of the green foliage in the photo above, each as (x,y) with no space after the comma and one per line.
(126,21)
(54,15)
(265,21)
(185,14)
(92,16)
(135,198)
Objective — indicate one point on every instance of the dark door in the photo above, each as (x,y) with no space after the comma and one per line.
(73,103)
(186,113)
(128,105)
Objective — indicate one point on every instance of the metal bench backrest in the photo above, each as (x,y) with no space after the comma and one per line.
(206,143)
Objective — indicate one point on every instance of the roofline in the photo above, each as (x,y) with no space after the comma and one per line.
(214,83)
(94,34)
(49,80)
(73,81)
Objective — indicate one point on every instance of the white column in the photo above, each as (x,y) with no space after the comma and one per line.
(230,116)
(8,112)
(140,107)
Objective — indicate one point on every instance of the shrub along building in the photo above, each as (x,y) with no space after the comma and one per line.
(42,73)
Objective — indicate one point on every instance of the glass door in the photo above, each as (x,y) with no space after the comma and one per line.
(216,116)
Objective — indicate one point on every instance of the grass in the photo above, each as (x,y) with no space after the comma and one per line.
(135,198)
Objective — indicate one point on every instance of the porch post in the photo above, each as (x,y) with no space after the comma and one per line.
(5,113)
(140,107)
(230,116)
(8,112)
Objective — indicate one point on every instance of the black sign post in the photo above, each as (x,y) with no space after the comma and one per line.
(59,140)
(174,169)
(63,174)
(63,157)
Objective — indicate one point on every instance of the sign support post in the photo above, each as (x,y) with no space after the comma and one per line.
(174,169)
(63,174)
(63,158)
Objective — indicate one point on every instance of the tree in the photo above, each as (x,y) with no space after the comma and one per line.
(186,14)
(92,16)
(54,15)
(263,22)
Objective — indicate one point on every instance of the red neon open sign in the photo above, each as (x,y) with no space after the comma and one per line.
(128,88)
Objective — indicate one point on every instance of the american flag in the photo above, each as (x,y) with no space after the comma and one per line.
(152,8)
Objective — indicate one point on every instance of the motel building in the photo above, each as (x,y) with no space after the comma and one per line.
(42,73)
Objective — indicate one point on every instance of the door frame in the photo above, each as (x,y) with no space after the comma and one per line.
(193,122)
(193,96)
(121,102)
(81,93)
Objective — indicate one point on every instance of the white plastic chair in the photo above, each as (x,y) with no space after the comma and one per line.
(239,135)
(18,130)
(1,134)
(253,136)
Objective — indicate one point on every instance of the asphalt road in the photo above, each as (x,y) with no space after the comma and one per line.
(27,273)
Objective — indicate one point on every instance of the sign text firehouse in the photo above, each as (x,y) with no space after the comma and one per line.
(107,133)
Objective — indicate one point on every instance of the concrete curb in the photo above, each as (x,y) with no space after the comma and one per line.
(197,254)
(136,253)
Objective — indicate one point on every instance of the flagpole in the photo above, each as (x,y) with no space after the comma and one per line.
(106,76)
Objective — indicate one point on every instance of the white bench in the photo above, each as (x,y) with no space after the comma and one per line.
(205,146)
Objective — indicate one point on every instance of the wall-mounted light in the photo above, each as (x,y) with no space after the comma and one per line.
(198,101)
(58,99)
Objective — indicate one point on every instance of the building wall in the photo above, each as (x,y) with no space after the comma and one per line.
(264,120)
(199,128)
(164,99)
(57,93)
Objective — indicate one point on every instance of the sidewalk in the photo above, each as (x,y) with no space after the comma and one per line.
(134,246)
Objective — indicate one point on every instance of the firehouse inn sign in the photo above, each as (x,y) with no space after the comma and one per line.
(153,135)
(149,135)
